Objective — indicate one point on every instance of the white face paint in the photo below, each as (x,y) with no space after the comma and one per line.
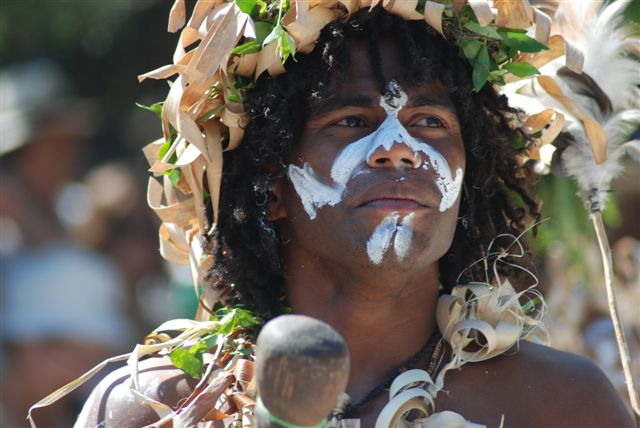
(312,192)
(353,158)
(352,161)
(390,229)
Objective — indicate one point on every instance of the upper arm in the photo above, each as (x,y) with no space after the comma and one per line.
(112,404)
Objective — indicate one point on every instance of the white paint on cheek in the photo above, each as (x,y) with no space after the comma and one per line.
(381,238)
(313,193)
(404,234)
(449,188)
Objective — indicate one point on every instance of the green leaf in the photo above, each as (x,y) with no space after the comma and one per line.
(208,115)
(246,5)
(211,341)
(521,41)
(246,319)
(252,46)
(517,142)
(190,360)
(503,53)
(234,98)
(487,31)
(155,108)
(263,29)
(164,149)
(497,77)
(481,69)
(470,47)
(286,46)
(230,319)
(275,34)
(174,176)
(521,69)
(263,7)
(531,304)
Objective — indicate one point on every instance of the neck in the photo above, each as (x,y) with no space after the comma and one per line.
(384,317)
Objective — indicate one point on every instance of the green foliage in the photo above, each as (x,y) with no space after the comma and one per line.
(286,44)
(190,360)
(246,6)
(519,41)
(263,29)
(483,64)
(531,305)
(211,113)
(174,176)
(231,323)
(155,108)
(521,69)
(231,319)
(485,31)
(492,51)
(470,48)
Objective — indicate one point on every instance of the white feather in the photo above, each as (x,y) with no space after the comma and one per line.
(599,33)
(577,160)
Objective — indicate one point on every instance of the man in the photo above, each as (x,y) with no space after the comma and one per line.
(370,176)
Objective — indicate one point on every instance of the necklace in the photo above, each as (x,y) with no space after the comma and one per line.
(433,346)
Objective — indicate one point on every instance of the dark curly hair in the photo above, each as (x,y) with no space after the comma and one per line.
(496,194)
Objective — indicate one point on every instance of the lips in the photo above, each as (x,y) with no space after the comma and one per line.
(393,204)
(395,196)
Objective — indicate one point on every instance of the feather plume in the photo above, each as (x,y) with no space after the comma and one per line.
(606,91)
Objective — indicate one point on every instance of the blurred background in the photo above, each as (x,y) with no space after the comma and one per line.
(81,277)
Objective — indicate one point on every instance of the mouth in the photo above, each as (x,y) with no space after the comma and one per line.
(393,204)
(398,196)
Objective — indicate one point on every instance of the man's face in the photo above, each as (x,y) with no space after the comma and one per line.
(374,181)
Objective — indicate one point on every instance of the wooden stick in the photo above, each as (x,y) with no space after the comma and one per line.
(605,251)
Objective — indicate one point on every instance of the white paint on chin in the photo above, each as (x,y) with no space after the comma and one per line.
(401,232)
(381,238)
(404,235)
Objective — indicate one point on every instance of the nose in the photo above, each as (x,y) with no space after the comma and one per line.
(399,155)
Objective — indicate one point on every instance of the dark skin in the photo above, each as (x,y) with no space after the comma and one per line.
(386,312)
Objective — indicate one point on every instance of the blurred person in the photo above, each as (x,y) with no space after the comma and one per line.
(62,303)
(121,226)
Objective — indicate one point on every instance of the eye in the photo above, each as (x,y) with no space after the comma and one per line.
(429,122)
(351,122)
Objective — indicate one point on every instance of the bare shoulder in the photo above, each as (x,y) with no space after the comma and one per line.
(112,404)
(537,386)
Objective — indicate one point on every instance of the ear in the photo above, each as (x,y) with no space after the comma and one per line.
(276,209)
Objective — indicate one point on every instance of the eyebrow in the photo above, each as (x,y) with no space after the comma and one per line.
(334,103)
(435,101)
(359,100)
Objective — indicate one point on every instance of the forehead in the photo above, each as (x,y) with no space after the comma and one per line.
(364,80)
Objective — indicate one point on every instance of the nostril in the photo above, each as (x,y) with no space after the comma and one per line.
(407,161)
(381,161)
